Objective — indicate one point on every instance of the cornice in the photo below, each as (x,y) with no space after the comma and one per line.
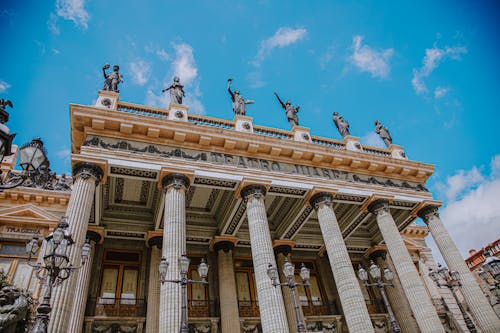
(118,124)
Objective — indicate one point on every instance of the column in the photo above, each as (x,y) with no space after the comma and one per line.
(82,284)
(283,252)
(396,296)
(271,307)
(478,305)
(423,310)
(86,177)
(352,300)
(228,297)
(153,302)
(174,245)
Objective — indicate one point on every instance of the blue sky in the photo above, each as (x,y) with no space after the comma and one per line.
(428,70)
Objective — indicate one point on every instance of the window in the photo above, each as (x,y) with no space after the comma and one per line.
(311,298)
(198,300)
(245,285)
(119,277)
(13,262)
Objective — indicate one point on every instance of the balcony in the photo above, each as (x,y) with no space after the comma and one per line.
(116,307)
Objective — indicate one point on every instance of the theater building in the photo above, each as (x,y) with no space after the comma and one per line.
(152,183)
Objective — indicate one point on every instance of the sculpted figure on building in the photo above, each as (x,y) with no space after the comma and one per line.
(239,102)
(341,124)
(383,132)
(112,79)
(291,111)
(176,91)
(4,115)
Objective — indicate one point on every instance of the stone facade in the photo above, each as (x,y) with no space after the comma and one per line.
(154,185)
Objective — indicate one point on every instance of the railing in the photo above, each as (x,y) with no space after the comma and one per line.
(211,122)
(376,151)
(330,143)
(200,308)
(248,308)
(142,110)
(318,309)
(115,307)
(273,132)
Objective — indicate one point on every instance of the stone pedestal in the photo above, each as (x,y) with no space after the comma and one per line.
(351,297)
(272,309)
(301,134)
(86,176)
(397,152)
(422,308)
(178,112)
(174,245)
(352,143)
(243,123)
(483,313)
(107,99)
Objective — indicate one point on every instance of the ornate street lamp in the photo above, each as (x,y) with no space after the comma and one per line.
(376,274)
(289,272)
(54,268)
(184,281)
(35,164)
(452,280)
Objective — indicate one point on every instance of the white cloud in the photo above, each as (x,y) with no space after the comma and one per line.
(473,218)
(460,181)
(255,79)
(284,36)
(326,57)
(73,10)
(372,139)
(64,154)
(433,57)
(440,92)
(55,51)
(4,86)
(141,71)
(184,66)
(52,24)
(160,53)
(367,59)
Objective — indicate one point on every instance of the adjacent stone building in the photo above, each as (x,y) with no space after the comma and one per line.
(151,183)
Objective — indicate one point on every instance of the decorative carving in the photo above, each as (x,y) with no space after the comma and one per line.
(179,114)
(46,180)
(254,190)
(321,198)
(87,170)
(380,326)
(246,125)
(236,218)
(291,111)
(226,184)
(299,222)
(239,102)
(378,206)
(133,172)
(106,102)
(14,307)
(427,212)
(175,180)
(287,191)
(306,136)
(249,328)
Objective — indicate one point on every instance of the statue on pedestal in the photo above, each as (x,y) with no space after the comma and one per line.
(4,115)
(383,132)
(291,111)
(341,124)
(239,103)
(112,79)
(176,91)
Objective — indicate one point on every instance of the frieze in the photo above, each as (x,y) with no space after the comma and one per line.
(236,218)
(247,163)
(226,184)
(125,234)
(133,172)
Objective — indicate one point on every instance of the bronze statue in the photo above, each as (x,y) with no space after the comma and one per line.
(239,102)
(4,115)
(341,124)
(14,307)
(112,79)
(176,91)
(383,132)
(291,111)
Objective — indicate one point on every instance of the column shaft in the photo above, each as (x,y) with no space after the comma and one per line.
(81,294)
(479,306)
(230,317)
(272,309)
(153,311)
(353,303)
(423,310)
(174,245)
(77,214)
(287,295)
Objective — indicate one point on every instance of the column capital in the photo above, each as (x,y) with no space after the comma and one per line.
(225,243)
(426,212)
(175,180)
(253,190)
(321,198)
(86,170)
(379,205)
(154,238)
(95,234)
(283,246)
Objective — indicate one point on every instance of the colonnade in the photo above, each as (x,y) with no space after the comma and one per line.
(274,316)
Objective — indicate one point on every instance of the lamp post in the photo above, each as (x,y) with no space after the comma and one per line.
(452,279)
(376,274)
(289,271)
(184,281)
(35,164)
(54,268)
